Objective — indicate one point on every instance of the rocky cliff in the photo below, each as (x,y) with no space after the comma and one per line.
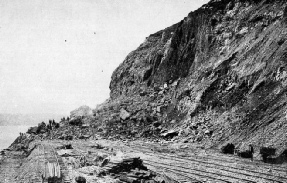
(217,76)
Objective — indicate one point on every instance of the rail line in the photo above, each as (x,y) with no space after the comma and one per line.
(210,167)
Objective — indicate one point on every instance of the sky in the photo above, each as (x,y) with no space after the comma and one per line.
(57,55)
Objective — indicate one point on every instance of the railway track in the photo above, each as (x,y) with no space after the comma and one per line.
(206,168)
(52,156)
(187,166)
(7,171)
(181,177)
(230,169)
(32,167)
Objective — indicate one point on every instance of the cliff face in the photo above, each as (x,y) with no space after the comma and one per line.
(201,41)
(219,74)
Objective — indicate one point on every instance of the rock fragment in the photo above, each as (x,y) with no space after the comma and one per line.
(80,179)
(124,114)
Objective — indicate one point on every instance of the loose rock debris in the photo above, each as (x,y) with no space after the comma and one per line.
(128,170)
(134,162)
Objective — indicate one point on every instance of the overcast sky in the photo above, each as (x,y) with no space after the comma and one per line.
(57,55)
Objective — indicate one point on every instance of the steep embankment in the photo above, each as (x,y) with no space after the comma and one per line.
(217,76)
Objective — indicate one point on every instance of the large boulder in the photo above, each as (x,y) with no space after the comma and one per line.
(228,148)
(42,128)
(170,134)
(76,121)
(32,130)
(124,114)
(80,179)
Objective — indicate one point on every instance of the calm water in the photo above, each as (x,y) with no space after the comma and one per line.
(9,133)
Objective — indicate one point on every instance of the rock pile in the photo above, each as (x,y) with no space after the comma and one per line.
(130,170)
(124,165)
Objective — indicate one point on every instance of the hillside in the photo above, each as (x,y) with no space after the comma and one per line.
(218,76)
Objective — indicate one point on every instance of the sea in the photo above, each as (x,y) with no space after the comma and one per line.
(9,133)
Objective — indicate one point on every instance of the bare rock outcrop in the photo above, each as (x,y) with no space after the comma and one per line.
(217,76)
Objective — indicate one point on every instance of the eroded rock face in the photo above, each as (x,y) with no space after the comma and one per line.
(221,69)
